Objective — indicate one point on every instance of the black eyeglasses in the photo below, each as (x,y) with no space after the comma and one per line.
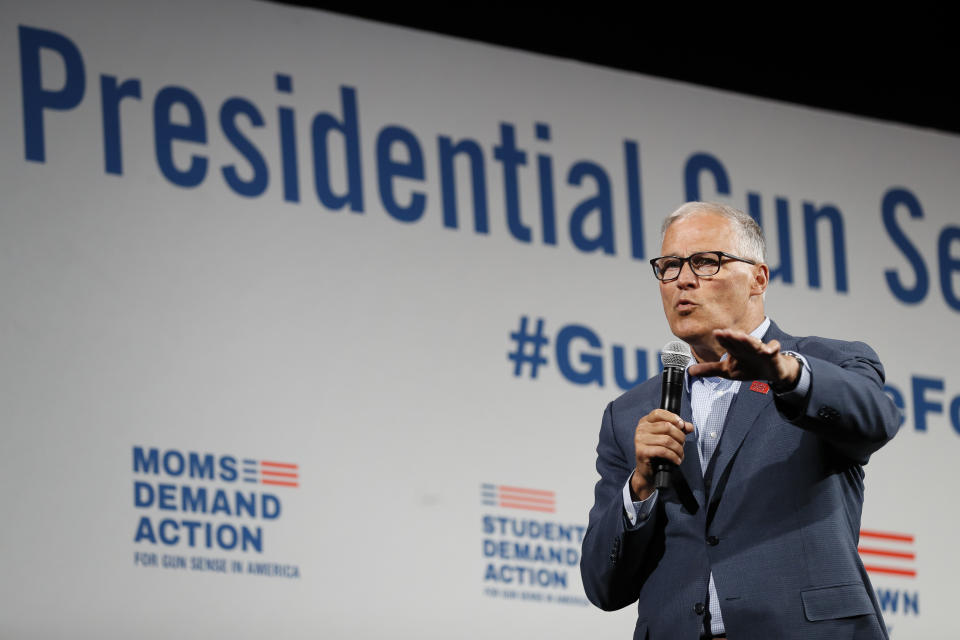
(702,263)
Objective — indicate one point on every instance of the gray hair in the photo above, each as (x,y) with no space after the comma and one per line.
(750,242)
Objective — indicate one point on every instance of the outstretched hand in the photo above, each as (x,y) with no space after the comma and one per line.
(749,358)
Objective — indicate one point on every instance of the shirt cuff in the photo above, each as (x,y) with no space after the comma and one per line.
(638,512)
(799,393)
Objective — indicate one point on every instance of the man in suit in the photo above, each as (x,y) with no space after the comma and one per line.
(756,536)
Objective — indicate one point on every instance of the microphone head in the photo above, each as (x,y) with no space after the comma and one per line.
(675,354)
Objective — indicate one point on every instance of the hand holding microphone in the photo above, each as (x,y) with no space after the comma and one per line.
(659,436)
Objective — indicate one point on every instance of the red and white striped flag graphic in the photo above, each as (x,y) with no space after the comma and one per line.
(518,498)
(888,553)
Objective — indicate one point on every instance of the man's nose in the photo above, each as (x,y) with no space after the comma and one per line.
(686,277)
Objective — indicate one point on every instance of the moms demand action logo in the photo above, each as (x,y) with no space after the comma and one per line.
(186,511)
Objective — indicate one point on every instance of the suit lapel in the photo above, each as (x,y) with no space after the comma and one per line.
(690,467)
(746,407)
(742,415)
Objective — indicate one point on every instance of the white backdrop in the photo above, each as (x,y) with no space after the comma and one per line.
(321,309)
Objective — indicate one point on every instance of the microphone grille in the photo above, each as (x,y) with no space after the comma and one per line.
(675,354)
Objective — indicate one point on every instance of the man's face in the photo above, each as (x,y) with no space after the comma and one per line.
(696,305)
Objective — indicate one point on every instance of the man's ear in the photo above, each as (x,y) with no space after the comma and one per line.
(761,279)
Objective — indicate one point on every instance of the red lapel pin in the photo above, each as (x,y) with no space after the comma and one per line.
(759,387)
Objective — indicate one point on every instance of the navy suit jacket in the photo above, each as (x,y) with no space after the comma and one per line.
(776,517)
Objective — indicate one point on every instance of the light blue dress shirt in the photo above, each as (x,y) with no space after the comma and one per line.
(710,399)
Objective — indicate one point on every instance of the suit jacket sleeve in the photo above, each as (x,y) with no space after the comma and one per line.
(846,405)
(612,561)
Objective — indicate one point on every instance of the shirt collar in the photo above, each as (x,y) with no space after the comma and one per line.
(761,331)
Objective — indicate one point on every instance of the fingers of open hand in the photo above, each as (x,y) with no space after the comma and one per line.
(741,344)
(711,369)
(738,343)
(748,358)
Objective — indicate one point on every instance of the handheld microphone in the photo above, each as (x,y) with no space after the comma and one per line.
(674,356)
